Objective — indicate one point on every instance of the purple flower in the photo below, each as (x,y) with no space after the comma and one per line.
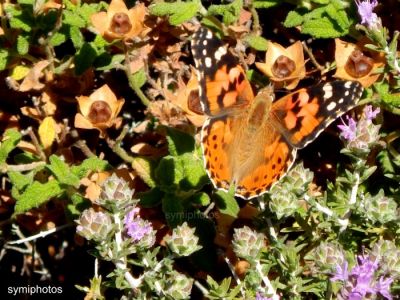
(383,287)
(365,10)
(341,273)
(371,114)
(362,281)
(260,296)
(136,227)
(348,131)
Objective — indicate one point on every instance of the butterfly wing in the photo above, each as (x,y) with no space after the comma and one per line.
(223,86)
(252,159)
(301,116)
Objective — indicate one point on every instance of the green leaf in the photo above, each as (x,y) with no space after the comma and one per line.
(178,12)
(337,13)
(266,3)
(20,19)
(293,19)
(4,56)
(90,164)
(20,181)
(139,78)
(173,210)
(169,173)
(22,44)
(201,199)
(226,203)
(10,141)
(179,142)
(257,42)
(58,38)
(151,198)
(84,58)
(229,12)
(62,171)
(195,176)
(322,28)
(76,37)
(105,61)
(383,91)
(73,19)
(144,168)
(36,194)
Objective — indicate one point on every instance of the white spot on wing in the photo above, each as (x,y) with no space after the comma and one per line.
(341,100)
(331,106)
(327,91)
(348,84)
(346,93)
(204,51)
(205,42)
(208,62)
(209,35)
(221,51)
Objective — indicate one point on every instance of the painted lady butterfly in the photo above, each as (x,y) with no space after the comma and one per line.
(251,141)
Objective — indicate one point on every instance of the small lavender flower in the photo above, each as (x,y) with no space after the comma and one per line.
(348,131)
(260,296)
(138,229)
(362,280)
(371,114)
(365,10)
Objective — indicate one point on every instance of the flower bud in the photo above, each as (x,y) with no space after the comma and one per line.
(178,286)
(94,225)
(115,193)
(183,241)
(247,243)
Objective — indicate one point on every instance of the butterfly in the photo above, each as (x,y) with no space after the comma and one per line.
(250,141)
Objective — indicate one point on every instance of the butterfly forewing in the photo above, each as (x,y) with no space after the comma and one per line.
(222,82)
(301,116)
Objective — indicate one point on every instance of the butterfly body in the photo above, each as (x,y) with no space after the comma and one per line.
(250,141)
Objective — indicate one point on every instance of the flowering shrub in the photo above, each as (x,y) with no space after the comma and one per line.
(104,189)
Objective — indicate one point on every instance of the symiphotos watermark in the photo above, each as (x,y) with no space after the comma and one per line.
(31,290)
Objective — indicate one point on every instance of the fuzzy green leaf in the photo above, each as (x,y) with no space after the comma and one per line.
(84,58)
(151,198)
(144,168)
(4,56)
(178,12)
(36,194)
(20,181)
(383,91)
(173,210)
(62,171)
(58,38)
(226,203)
(73,19)
(201,199)
(229,12)
(76,37)
(10,141)
(322,28)
(20,19)
(179,142)
(337,13)
(266,3)
(293,19)
(195,176)
(257,42)
(90,164)
(169,173)
(22,44)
